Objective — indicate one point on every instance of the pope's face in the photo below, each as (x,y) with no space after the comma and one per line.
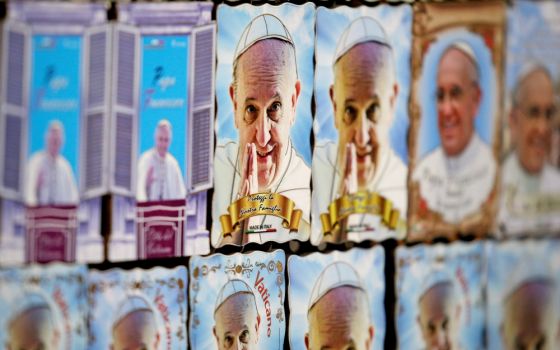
(237,324)
(458,99)
(54,141)
(526,323)
(363,94)
(264,99)
(163,139)
(33,330)
(436,317)
(136,331)
(340,321)
(532,121)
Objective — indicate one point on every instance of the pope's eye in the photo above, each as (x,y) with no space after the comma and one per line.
(350,114)
(274,111)
(372,112)
(251,114)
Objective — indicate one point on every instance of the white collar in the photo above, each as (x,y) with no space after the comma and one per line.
(530,182)
(158,157)
(456,164)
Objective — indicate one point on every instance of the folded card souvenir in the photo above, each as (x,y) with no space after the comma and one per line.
(44,307)
(138,309)
(237,301)
(361,119)
(164,117)
(530,192)
(456,111)
(337,300)
(440,303)
(48,212)
(522,295)
(264,85)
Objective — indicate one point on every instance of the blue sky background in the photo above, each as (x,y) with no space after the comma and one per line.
(304,271)
(215,271)
(331,23)
(56,59)
(300,21)
(119,285)
(428,138)
(533,36)
(14,282)
(414,265)
(171,54)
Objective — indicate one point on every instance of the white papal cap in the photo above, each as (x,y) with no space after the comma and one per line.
(464,48)
(131,304)
(28,301)
(527,69)
(435,277)
(231,288)
(265,26)
(528,271)
(361,30)
(337,274)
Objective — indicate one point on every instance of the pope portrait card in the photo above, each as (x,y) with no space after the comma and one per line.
(362,82)
(337,300)
(456,108)
(237,301)
(264,83)
(522,294)
(45,305)
(440,301)
(530,187)
(138,308)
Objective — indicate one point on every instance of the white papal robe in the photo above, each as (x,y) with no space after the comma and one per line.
(168,180)
(529,203)
(456,187)
(58,185)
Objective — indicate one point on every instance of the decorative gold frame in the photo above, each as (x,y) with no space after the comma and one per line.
(487,19)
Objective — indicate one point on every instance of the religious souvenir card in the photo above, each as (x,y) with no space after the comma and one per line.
(237,301)
(138,309)
(440,302)
(47,212)
(168,55)
(530,194)
(44,307)
(264,85)
(361,123)
(455,106)
(337,300)
(522,295)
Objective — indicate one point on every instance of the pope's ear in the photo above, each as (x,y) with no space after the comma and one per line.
(234,102)
(295,97)
(331,94)
(215,335)
(394,94)
(157,341)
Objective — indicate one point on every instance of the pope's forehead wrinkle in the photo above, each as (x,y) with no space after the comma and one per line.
(368,61)
(268,55)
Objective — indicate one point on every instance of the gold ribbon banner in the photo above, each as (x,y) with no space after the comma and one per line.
(363,202)
(261,204)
